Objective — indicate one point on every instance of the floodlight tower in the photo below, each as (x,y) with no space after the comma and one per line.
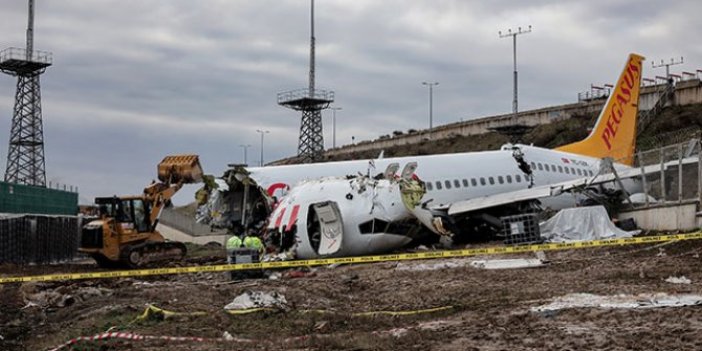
(25,158)
(311,102)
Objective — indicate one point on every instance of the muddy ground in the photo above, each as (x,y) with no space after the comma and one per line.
(486,309)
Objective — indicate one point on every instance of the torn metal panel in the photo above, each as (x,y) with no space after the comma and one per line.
(341,216)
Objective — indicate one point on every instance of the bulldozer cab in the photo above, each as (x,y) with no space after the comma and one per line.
(131,214)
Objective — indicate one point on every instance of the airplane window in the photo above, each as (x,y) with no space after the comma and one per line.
(448,184)
(518,178)
(438,185)
(553,168)
(482,181)
(567,171)
(465,183)
(546,167)
(492,180)
(509,179)
(572,170)
(456,183)
(473,182)
(541,167)
(560,169)
(580,172)
(589,171)
(430,187)
(533,165)
(500,180)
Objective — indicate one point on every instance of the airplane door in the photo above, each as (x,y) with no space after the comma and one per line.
(331,227)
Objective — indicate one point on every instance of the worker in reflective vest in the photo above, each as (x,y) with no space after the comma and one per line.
(253,242)
(232,244)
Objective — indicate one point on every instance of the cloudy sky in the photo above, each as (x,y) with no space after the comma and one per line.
(134,80)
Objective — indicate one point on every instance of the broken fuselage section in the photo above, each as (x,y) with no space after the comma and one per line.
(326,217)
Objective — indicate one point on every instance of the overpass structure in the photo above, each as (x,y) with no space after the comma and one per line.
(686,92)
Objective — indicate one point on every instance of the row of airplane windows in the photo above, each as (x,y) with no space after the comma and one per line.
(561,169)
(456,183)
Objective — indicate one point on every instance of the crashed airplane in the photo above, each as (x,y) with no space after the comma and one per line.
(313,211)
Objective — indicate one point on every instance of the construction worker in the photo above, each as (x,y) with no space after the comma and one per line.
(233,244)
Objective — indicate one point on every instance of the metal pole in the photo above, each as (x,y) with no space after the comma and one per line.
(262,133)
(334,109)
(431,104)
(680,173)
(30,31)
(667,65)
(514,102)
(515,105)
(312,49)
(699,171)
(245,147)
(643,178)
(663,190)
(431,107)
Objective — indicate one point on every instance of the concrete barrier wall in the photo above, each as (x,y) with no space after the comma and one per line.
(185,224)
(687,92)
(669,217)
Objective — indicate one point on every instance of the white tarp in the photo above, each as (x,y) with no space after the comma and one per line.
(581,224)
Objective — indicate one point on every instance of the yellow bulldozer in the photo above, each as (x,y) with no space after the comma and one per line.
(125,234)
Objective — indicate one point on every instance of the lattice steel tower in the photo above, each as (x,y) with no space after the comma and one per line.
(311,102)
(25,157)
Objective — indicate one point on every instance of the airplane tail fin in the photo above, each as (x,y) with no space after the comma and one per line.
(614,134)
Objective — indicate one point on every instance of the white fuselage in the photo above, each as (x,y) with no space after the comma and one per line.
(454,177)
(448,178)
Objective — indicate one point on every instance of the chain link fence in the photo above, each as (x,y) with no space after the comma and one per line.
(672,173)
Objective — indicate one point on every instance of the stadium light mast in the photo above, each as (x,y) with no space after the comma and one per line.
(25,157)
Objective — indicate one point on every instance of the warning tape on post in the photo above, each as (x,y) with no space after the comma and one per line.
(355,260)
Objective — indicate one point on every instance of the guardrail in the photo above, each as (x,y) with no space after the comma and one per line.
(299,94)
(21,55)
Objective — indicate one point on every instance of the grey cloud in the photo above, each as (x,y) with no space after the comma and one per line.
(136,80)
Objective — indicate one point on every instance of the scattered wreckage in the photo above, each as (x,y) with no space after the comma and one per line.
(363,215)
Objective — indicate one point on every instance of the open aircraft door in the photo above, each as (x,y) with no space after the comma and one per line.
(331,227)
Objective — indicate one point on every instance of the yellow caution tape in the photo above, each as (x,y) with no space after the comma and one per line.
(250,310)
(152,311)
(356,314)
(355,260)
(384,313)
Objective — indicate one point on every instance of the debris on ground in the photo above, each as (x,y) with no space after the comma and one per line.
(584,300)
(156,313)
(508,263)
(441,304)
(257,299)
(432,266)
(678,280)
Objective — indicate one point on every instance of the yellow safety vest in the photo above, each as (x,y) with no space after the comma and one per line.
(233,243)
(253,242)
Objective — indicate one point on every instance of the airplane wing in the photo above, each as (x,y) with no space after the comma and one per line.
(544,191)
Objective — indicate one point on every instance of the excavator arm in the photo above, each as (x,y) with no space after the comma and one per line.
(173,173)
